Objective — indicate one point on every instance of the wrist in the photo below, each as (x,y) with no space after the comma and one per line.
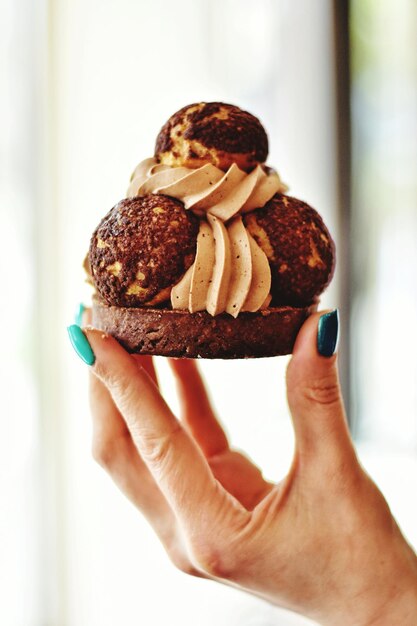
(398,607)
(382,601)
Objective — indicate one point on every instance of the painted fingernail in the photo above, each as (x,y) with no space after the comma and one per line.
(328,333)
(78,317)
(80,344)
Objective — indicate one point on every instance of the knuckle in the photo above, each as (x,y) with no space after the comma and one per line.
(179,557)
(325,392)
(103,453)
(215,560)
(184,565)
(158,450)
(106,451)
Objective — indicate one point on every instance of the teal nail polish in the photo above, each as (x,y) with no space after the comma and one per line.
(78,317)
(328,333)
(80,344)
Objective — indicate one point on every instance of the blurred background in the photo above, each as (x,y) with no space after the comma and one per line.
(85,87)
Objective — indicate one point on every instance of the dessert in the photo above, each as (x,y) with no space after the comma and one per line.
(208,256)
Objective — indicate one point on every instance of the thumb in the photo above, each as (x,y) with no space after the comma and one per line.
(314,394)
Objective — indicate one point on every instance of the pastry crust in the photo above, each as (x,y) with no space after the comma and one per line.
(166,332)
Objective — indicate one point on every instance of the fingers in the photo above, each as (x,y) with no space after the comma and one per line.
(196,408)
(148,365)
(109,427)
(171,455)
(115,451)
(108,424)
(314,394)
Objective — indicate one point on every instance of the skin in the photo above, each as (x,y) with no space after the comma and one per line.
(322,542)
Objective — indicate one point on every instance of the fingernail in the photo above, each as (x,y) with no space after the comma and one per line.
(78,317)
(328,333)
(80,344)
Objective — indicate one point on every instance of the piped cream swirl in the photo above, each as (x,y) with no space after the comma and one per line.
(230,273)
(208,189)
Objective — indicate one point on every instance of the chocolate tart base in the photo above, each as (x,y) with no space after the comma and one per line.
(164,332)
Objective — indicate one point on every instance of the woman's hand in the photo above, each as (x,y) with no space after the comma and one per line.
(322,542)
(115,450)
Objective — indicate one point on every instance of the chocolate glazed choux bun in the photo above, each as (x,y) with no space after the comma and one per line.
(299,248)
(142,247)
(207,256)
(212,132)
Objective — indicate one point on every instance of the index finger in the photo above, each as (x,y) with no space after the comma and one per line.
(171,455)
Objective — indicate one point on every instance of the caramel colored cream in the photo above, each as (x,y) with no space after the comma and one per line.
(207,189)
(230,273)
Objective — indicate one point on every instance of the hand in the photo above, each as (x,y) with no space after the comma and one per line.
(322,542)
